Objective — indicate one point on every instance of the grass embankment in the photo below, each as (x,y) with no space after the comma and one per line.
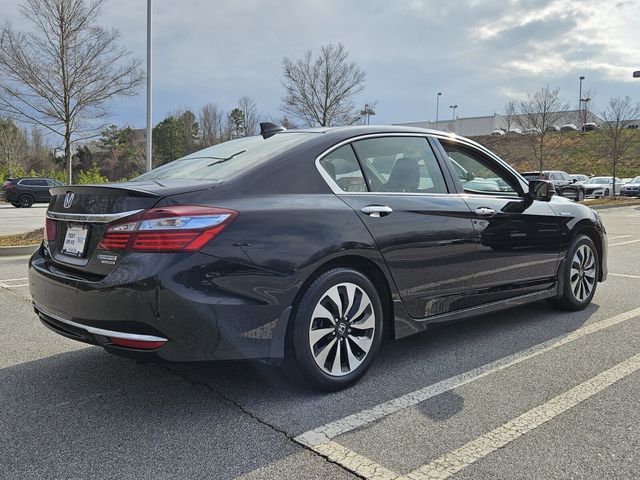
(22,239)
(618,201)
(575,153)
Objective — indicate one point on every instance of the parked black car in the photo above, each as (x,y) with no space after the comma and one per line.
(308,245)
(565,184)
(25,191)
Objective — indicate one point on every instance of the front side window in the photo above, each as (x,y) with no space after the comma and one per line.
(343,168)
(400,165)
(478,173)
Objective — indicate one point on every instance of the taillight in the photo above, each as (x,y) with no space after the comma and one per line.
(168,229)
(8,185)
(50,229)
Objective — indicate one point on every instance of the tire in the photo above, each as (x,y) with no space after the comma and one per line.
(581,271)
(606,192)
(25,201)
(580,196)
(326,349)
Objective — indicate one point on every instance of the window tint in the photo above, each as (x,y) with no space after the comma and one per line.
(342,166)
(228,159)
(478,173)
(400,164)
(566,177)
(40,183)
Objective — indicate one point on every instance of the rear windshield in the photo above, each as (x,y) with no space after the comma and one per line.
(226,160)
(534,176)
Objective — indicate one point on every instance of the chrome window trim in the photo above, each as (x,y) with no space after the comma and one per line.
(90,217)
(438,135)
(101,331)
(334,186)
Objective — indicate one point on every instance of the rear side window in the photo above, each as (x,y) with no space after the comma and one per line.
(343,168)
(400,165)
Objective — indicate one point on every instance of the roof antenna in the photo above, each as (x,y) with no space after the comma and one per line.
(268,129)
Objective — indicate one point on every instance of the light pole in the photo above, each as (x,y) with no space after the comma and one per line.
(366,113)
(149,120)
(580,103)
(453,117)
(437,107)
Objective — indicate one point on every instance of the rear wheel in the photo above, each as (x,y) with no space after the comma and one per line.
(26,201)
(580,271)
(336,330)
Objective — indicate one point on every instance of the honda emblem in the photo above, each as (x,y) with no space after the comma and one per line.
(68,199)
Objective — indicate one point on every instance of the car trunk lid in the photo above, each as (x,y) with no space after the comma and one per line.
(79,215)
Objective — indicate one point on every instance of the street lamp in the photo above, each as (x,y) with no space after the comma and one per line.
(453,117)
(437,105)
(366,113)
(149,119)
(580,103)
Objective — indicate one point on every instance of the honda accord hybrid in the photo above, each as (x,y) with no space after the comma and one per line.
(308,248)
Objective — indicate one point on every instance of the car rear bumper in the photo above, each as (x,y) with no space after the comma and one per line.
(206,315)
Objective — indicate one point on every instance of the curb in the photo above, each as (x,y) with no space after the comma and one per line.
(14,251)
(607,207)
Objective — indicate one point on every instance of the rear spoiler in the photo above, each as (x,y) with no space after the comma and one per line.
(107,189)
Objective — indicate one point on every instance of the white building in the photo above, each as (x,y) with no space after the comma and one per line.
(472,126)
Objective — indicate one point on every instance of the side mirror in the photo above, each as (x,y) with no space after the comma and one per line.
(469,176)
(574,180)
(541,190)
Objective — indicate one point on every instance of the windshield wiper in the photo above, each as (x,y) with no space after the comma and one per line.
(222,160)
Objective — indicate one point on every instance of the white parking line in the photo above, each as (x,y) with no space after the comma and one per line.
(618,236)
(325,433)
(9,282)
(624,243)
(451,463)
(623,275)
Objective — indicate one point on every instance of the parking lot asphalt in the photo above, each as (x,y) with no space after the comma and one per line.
(526,393)
(21,220)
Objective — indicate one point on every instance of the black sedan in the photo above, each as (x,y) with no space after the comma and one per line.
(308,246)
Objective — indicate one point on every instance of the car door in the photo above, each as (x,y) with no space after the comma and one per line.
(518,239)
(423,232)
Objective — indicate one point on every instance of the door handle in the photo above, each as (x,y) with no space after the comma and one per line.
(377,210)
(485,211)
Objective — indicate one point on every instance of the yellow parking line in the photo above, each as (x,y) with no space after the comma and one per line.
(455,461)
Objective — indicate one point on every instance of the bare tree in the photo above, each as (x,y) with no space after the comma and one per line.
(614,132)
(510,113)
(210,121)
(250,119)
(538,114)
(61,74)
(321,91)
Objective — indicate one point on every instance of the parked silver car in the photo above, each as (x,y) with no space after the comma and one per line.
(602,187)
(631,189)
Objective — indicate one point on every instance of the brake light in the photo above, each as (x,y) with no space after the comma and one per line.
(168,229)
(8,185)
(50,229)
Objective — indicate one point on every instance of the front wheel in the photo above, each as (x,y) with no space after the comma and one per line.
(580,196)
(580,275)
(336,331)
(606,192)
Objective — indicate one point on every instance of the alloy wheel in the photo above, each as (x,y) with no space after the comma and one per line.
(342,329)
(583,273)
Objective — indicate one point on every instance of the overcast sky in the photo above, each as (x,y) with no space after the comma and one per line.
(478,53)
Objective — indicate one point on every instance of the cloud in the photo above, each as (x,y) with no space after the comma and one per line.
(477,52)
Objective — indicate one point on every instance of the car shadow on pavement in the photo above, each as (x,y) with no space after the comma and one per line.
(56,405)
